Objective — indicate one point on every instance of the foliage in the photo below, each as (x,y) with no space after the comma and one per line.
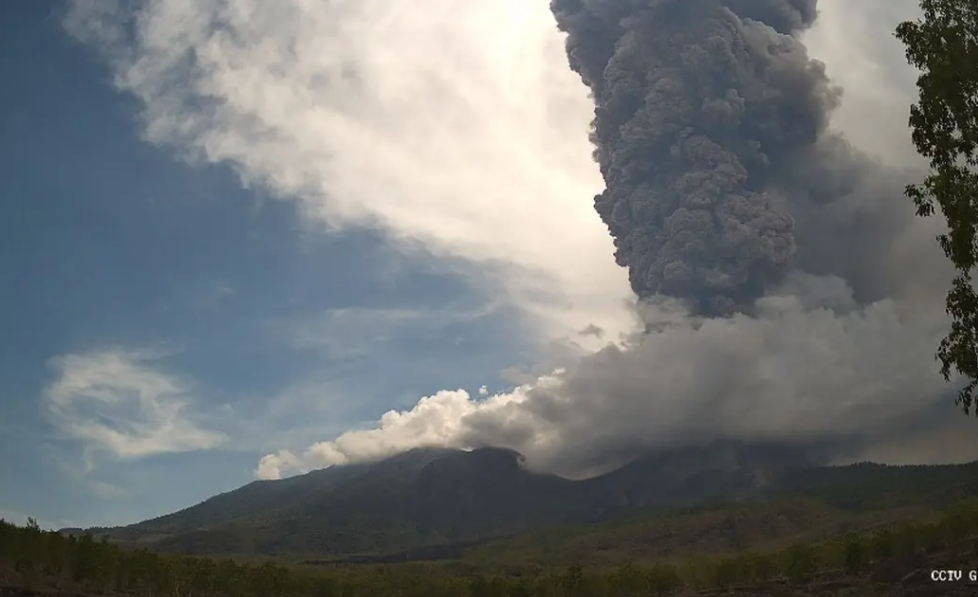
(100,567)
(943,45)
(426,506)
(855,556)
(800,562)
(807,505)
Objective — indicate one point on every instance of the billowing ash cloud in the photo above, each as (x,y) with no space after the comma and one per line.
(789,293)
(808,294)
(809,369)
(699,106)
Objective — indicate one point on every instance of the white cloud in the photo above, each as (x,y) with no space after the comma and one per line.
(273,466)
(452,124)
(116,402)
(435,420)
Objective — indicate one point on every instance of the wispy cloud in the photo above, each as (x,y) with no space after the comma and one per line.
(119,403)
(214,294)
(352,332)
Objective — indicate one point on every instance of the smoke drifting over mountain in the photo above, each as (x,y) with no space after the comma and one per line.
(787,290)
(788,293)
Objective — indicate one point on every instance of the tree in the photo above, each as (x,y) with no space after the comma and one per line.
(631,580)
(727,572)
(763,566)
(573,580)
(664,580)
(882,545)
(855,554)
(800,562)
(943,45)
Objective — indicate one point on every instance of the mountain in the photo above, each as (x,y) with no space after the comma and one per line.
(440,497)
(724,471)
(419,497)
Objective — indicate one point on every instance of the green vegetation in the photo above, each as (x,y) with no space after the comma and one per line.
(802,527)
(423,497)
(670,537)
(427,505)
(870,486)
(943,45)
(46,561)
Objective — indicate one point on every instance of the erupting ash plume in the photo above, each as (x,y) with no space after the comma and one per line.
(806,315)
(699,103)
(789,294)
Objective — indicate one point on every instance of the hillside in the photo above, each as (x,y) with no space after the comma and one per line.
(892,561)
(439,501)
(420,497)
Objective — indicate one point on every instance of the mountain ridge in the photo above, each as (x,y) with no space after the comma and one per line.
(436,497)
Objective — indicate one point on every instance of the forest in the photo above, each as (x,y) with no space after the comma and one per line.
(52,562)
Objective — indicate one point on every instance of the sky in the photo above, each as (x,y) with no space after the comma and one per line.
(248,239)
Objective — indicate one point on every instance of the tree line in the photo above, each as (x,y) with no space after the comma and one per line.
(42,559)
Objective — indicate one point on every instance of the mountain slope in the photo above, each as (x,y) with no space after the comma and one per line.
(435,497)
(419,497)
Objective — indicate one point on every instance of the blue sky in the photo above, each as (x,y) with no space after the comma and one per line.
(237,237)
